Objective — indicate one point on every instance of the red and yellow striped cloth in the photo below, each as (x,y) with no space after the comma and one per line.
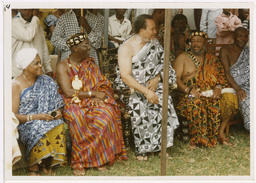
(96,131)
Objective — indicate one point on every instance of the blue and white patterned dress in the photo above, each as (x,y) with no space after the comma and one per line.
(146,118)
(240,71)
(42,97)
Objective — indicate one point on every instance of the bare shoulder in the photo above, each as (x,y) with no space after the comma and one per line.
(126,48)
(226,49)
(16,84)
(181,58)
(61,65)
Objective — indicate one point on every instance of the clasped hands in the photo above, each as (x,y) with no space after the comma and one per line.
(151,88)
(99,99)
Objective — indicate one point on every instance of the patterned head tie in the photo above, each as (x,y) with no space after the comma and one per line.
(76,39)
(198,33)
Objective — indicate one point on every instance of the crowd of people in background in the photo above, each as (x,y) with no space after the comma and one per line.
(209,90)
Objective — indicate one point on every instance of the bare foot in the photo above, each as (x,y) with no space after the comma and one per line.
(192,147)
(226,142)
(142,158)
(79,172)
(34,170)
(102,168)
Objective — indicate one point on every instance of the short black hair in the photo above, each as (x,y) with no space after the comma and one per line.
(179,17)
(140,22)
(241,29)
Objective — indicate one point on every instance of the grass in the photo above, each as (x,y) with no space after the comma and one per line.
(218,161)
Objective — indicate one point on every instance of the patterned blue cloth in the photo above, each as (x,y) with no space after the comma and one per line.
(240,71)
(50,20)
(42,97)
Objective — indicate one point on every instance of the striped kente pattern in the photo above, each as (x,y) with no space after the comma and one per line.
(95,130)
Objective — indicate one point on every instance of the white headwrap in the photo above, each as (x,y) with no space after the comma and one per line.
(25,56)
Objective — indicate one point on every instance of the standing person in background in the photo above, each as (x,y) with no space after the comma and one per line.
(119,28)
(50,21)
(27,33)
(207,23)
(158,16)
(179,26)
(226,24)
(189,13)
(71,23)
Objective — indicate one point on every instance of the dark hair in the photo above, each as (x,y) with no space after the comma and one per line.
(140,22)
(240,29)
(179,17)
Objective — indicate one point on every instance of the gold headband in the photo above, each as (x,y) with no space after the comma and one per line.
(198,33)
(76,40)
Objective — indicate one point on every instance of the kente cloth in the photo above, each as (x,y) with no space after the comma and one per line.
(42,97)
(52,144)
(203,114)
(96,131)
(146,117)
(240,71)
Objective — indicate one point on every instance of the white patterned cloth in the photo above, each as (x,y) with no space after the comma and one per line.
(68,25)
(240,71)
(146,118)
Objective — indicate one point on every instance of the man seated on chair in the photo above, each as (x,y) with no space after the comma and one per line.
(140,60)
(90,109)
(235,59)
(200,81)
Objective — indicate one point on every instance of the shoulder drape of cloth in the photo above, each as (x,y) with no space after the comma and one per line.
(42,97)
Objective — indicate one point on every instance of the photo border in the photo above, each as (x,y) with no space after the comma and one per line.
(6,87)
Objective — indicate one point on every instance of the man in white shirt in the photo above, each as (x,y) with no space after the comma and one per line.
(27,33)
(119,27)
(207,23)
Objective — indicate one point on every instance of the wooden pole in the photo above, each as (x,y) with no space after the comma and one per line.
(82,14)
(167,38)
(105,40)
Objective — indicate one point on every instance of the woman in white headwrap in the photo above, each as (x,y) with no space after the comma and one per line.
(36,103)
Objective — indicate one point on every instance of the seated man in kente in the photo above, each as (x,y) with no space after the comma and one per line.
(140,60)
(90,111)
(200,81)
(235,59)
(37,105)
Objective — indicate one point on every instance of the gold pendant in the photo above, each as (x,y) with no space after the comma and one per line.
(77,83)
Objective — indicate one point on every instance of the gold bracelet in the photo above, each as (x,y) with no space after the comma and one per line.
(187,90)
(89,93)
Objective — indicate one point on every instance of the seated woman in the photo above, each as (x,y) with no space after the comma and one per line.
(34,97)
(90,111)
